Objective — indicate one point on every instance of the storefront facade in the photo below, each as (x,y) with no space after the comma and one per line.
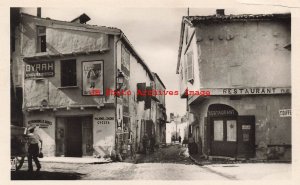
(69,73)
(242,63)
(249,127)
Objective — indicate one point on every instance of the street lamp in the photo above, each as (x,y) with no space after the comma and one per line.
(120,80)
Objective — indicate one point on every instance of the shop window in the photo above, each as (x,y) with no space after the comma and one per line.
(218,130)
(68,73)
(41,39)
(231,130)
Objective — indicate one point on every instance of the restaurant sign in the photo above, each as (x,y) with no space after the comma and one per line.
(39,69)
(248,90)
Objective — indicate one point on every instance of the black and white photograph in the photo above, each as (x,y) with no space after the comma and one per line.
(151,92)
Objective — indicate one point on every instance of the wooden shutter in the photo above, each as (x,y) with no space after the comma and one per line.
(190,66)
(140,87)
(148,99)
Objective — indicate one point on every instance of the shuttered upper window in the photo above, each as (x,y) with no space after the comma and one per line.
(189,67)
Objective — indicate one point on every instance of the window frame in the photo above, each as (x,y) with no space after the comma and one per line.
(40,37)
(65,84)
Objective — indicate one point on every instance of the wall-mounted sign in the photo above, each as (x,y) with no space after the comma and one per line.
(218,110)
(104,119)
(40,123)
(248,91)
(92,78)
(246,127)
(39,69)
(285,113)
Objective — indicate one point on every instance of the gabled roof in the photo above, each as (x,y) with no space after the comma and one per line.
(212,19)
(156,75)
(241,17)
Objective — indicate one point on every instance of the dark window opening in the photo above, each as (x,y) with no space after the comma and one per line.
(68,73)
(41,39)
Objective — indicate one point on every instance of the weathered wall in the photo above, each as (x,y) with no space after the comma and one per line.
(47,133)
(136,109)
(103,128)
(50,87)
(104,134)
(244,54)
(61,37)
(271,129)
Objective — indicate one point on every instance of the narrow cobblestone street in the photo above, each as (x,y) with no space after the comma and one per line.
(169,163)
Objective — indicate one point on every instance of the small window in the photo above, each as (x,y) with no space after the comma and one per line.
(68,73)
(231,130)
(218,130)
(41,39)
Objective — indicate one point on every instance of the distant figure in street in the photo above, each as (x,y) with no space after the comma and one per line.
(145,141)
(152,143)
(179,139)
(33,149)
(173,139)
(190,143)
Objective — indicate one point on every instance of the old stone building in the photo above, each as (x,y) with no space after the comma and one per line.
(73,76)
(235,73)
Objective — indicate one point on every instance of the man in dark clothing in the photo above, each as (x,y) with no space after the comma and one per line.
(33,149)
(152,143)
(179,139)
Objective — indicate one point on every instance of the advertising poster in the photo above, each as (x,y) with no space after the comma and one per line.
(92,76)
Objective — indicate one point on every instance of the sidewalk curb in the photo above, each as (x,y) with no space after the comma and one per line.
(195,161)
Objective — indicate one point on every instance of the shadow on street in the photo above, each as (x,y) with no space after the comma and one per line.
(44,175)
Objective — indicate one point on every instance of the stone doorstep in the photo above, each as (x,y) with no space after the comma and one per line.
(79,160)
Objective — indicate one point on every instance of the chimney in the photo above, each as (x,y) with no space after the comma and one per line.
(39,12)
(220,12)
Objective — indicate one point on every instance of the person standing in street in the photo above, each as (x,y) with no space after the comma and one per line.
(179,139)
(33,149)
(145,143)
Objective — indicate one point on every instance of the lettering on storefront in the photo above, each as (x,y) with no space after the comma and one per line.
(39,69)
(246,127)
(221,113)
(104,119)
(285,113)
(40,123)
(248,91)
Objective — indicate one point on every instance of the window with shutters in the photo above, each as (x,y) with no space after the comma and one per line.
(41,39)
(141,87)
(189,67)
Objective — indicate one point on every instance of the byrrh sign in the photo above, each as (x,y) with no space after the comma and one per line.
(39,69)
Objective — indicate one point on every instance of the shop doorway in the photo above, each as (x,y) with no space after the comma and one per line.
(229,134)
(74,136)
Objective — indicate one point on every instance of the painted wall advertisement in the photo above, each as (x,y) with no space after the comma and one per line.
(39,69)
(92,76)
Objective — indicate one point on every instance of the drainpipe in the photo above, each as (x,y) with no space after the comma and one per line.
(116,98)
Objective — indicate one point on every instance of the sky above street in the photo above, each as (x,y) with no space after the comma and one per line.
(153,32)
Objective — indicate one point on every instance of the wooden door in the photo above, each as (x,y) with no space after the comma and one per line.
(224,137)
(73,137)
(246,136)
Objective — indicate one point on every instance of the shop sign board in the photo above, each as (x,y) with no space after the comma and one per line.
(285,113)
